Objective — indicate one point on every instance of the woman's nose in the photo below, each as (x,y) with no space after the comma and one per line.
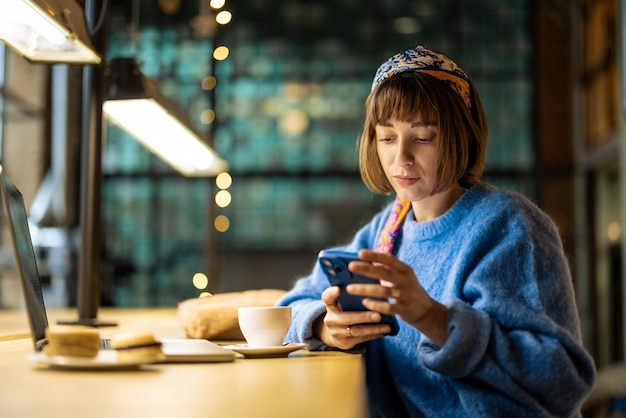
(405,156)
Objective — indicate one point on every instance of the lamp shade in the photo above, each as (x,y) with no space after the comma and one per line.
(136,104)
(51,31)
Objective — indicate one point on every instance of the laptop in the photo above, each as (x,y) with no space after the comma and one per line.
(181,350)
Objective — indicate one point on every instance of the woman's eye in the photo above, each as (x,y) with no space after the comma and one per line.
(424,140)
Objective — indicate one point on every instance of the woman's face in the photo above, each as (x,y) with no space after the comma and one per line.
(408,154)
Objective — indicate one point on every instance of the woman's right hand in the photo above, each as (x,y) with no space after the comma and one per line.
(344,330)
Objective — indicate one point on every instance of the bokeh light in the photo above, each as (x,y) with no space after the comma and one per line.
(221,53)
(209,83)
(221,223)
(223,180)
(223,198)
(207,116)
(200,281)
(224,17)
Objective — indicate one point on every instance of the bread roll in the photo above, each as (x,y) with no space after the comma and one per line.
(215,317)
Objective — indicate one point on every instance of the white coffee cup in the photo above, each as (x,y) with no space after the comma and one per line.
(264,326)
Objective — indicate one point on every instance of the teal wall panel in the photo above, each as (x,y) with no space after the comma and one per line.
(289,107)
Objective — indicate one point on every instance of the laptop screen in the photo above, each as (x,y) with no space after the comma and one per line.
(25,259)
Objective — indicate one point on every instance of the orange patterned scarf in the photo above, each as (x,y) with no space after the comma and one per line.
(390,232)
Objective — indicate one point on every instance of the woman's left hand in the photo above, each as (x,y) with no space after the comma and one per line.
(408,300)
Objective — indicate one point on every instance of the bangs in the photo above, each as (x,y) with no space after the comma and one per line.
(403,98)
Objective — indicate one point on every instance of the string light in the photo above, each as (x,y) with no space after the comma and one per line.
(207,116)
(217,4)
(223,198)
(221,223)
(223,180)
(209,83)
(221,53)
(200,281)
(224,17)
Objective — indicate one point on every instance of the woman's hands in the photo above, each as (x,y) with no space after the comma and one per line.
(409,300)
(344,330)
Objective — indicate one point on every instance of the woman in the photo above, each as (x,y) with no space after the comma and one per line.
(476,276)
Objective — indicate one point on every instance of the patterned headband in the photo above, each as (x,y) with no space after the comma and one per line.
(429,62)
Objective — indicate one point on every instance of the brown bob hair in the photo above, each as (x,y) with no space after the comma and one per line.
(462,132)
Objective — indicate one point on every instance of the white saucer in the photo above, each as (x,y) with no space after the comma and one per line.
(106,359)
(265,352)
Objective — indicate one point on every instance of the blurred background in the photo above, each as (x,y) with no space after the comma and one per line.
(278,88)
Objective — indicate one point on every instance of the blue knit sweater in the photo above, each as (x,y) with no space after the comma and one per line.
(514,347)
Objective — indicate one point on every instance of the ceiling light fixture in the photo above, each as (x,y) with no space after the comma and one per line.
(52,31)
(136,104)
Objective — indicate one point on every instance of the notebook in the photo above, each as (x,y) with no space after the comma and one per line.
(176,350)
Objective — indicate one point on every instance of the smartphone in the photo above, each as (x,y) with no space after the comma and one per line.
(334,263)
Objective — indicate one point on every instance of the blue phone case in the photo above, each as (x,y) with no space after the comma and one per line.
(334,263)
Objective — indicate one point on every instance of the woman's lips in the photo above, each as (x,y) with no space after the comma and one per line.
(406,181)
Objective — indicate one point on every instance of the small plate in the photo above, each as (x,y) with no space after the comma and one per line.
(265,352)
(105,360)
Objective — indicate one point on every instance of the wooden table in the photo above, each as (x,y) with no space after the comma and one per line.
(305,384)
